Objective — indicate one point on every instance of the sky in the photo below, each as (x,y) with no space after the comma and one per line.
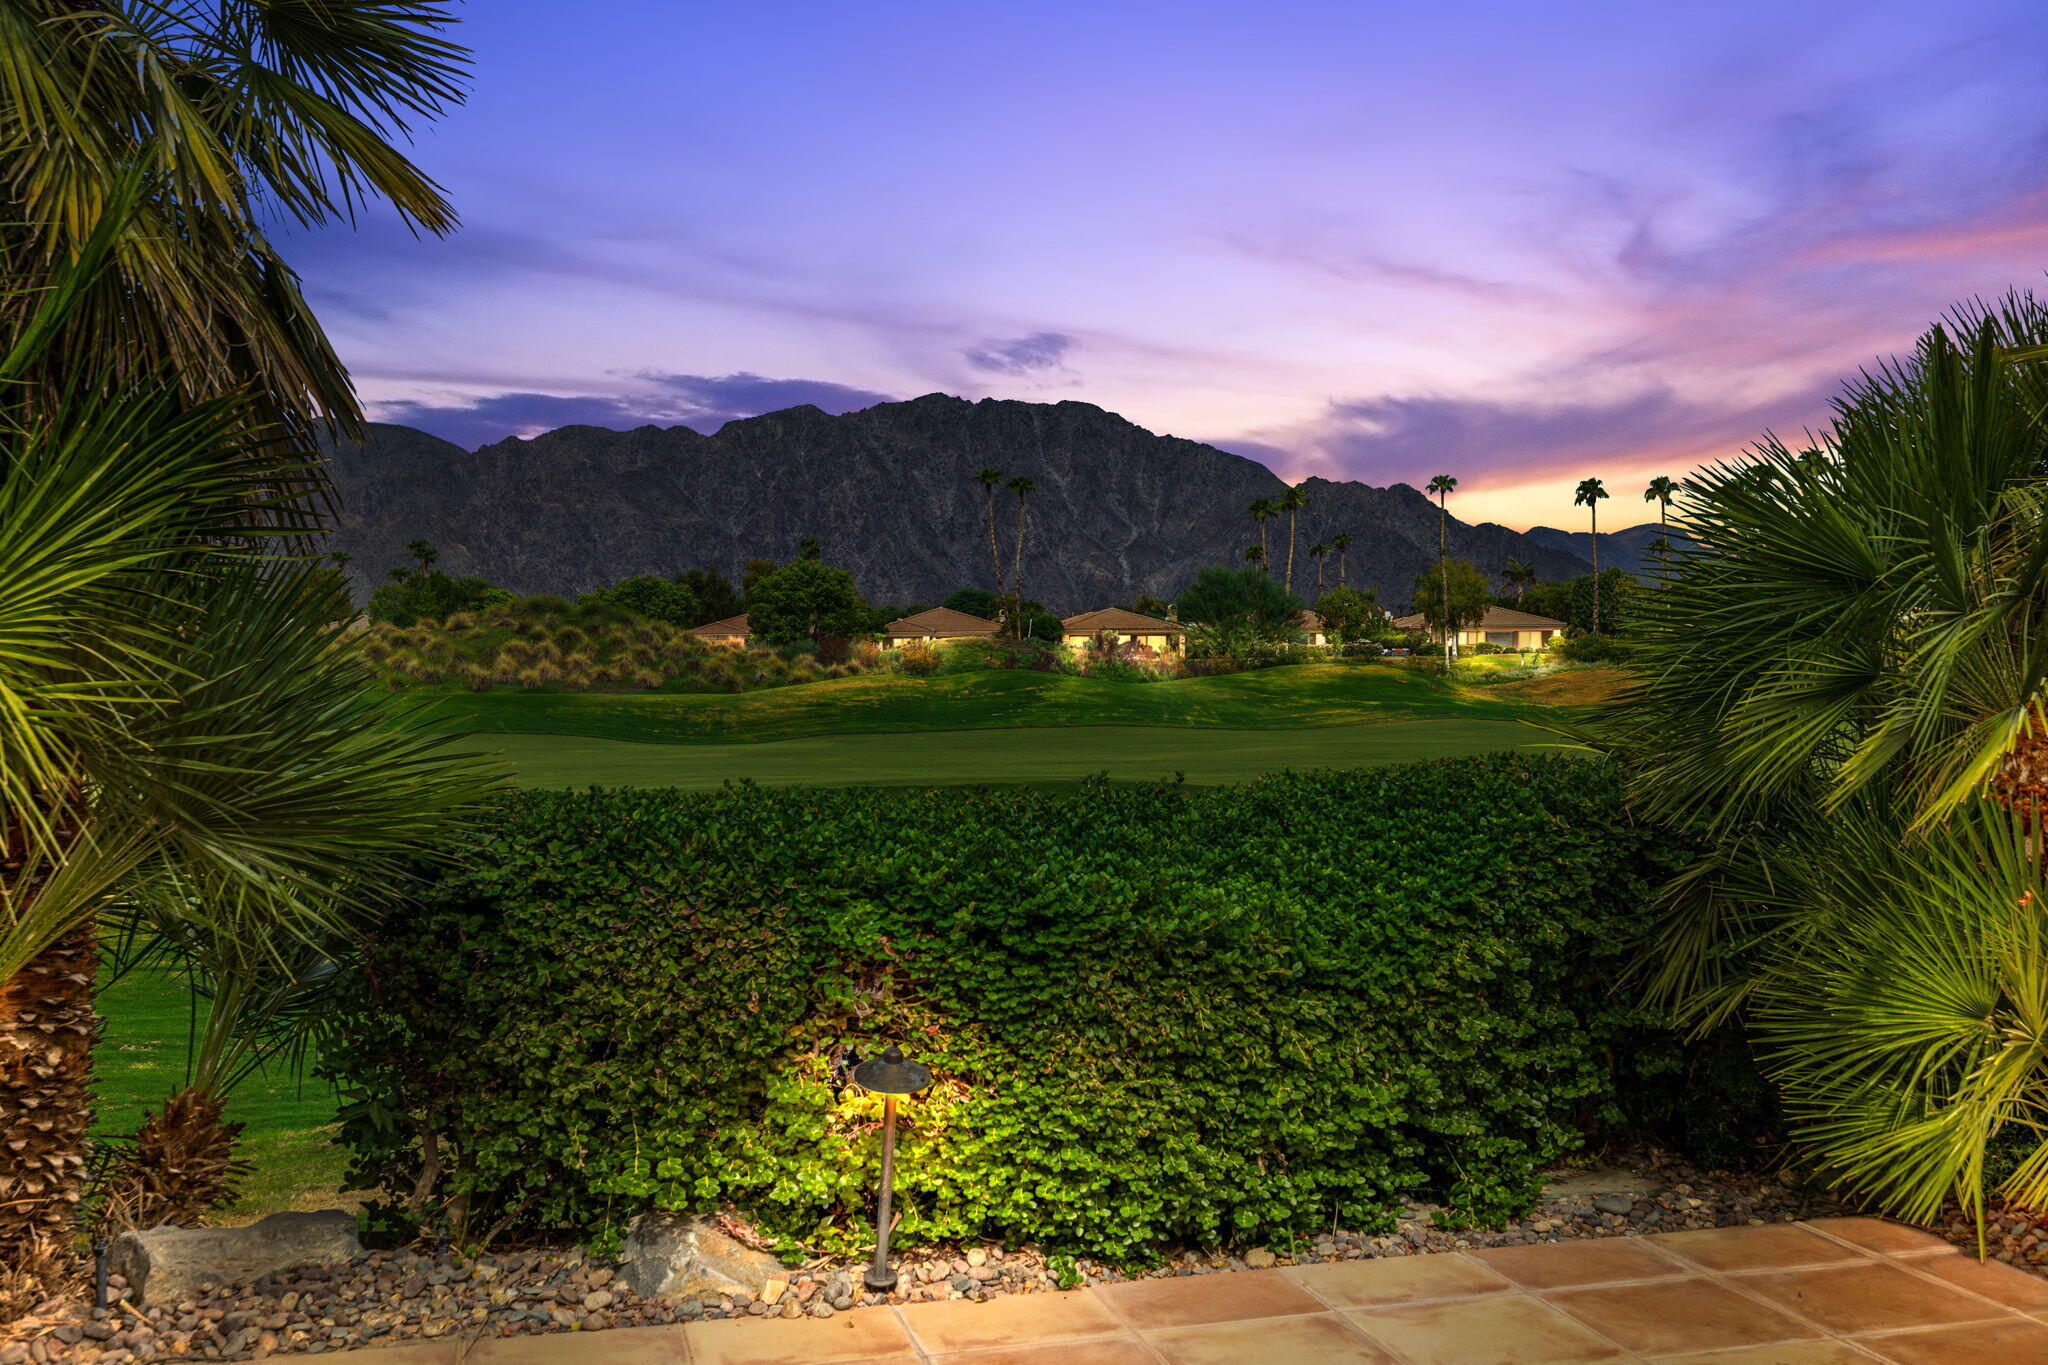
(1517,243)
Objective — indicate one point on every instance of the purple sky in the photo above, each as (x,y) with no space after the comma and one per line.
(1517,243)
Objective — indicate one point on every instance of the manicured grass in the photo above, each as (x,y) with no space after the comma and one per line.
(964,757)
(1269,699)
(288,1138)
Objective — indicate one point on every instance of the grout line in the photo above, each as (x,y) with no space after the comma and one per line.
(1108,1302)
(916,1346)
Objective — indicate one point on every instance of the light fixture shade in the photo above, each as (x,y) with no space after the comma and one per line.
(890,1074)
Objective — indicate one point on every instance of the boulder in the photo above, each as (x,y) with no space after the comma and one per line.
(168,1264)
(672,1253)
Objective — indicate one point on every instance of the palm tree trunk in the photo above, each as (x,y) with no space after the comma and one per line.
(1340,568)
(1292,513)
(47,1029)
(995,555)
(1262,542)
(1443,570)
(1594,510)
(1017,561)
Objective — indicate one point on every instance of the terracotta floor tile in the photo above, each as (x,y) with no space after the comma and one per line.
(618,1346)
(1870,1297)
(1671,1316)
(1774,1246)
(2012,1342)
(866,1334)
(1882,1235)
(1499,1329)
(2000,1283)
(1190,1300)
(1824,1352)
(1125,1350)
(411,1353)
(1557,1265)
(1398,1279)
(1009,1320)
(1324,1339)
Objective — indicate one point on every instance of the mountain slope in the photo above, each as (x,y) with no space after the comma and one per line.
(1629,548)
(889,493)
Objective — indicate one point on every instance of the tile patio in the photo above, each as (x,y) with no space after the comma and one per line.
(1824,1293)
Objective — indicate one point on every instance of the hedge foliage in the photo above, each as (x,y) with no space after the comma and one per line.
(1158,1013)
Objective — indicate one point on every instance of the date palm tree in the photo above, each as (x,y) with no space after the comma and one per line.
(176,704)
(1317,552)
(1588,496)
(1263,510)
(1518,576)
(1022,487)
(1291,502)
(1442,486)
(1661,491)
(990,480)
(1341,542)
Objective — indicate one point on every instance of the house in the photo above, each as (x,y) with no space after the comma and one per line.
(1311,624)
(1503,626)
(940,623)
(731,631)
(1146,632)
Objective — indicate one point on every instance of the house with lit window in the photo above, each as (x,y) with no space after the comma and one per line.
(1503,626)
(1129,627)
(940,623)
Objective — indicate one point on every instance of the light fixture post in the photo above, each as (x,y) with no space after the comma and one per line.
(888,1076)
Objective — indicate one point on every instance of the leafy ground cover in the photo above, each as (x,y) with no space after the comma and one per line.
(290,1125)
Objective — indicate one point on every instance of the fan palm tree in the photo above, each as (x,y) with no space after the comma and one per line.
(1255,555)
(423,553)
(1317,552)
(1518,576)
(1023,488)
(1340,542)
(1263,510)
(990,480)
(1442,486)
(1842,698)
(1661,491)
(1291,502)
(1588,496)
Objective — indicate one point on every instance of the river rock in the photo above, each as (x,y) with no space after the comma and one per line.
(670,1253)
(168,1264)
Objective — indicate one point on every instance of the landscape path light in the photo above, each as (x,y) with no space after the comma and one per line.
(889,1076)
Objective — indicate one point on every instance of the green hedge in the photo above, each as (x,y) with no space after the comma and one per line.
(1158,1013)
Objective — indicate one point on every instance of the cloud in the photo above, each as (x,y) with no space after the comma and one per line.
(1021,355)
(703,403)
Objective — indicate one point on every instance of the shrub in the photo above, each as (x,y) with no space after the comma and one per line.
(1158,1013)
(917,659)
(1590,649)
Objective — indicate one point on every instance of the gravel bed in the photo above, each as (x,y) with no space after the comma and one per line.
(392,1296)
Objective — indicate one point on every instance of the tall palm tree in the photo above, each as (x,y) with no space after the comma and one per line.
(1340,542)
(1022,487)
(1255,555)
(1588,496)
(1442,486)
(1519,576)
(1316,552)
(1661,491)
(990,480)
(1263,510)
(176,708)
(1291,502)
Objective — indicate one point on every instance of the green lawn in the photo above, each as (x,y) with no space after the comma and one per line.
(956,757)
(288,1137)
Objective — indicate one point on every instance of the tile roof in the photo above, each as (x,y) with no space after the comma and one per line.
(1496,618)
(1118,619)
(731,625)
(941,621)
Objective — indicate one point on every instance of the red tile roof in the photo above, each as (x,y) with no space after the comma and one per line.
(941,621)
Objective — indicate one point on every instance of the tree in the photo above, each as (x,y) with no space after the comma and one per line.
(990,480)
(804,602)
(197,743)
(423,554)
(1442,485)
(1341,542)
(1518,577)
(409,598)
(809,548)
(716,600)
(1263,510)
(1145,604)
(1255,555)
(657,599)
(975,602)
(1661,491)
(1242,600)
(1022,487)
(1291,502)
(1458,582)
(752,573)
(1348,614)
(1317,552)
(341,558)
(1841,704)
(1588,496)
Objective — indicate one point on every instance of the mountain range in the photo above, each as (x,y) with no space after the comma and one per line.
(889,491)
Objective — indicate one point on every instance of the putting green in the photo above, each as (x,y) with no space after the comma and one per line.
(958,757)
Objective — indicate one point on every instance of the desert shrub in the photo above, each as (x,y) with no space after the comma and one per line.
(917,659)
(1003,652)
(1157,1013)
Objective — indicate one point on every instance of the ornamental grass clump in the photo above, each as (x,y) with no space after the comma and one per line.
(1158,1013)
